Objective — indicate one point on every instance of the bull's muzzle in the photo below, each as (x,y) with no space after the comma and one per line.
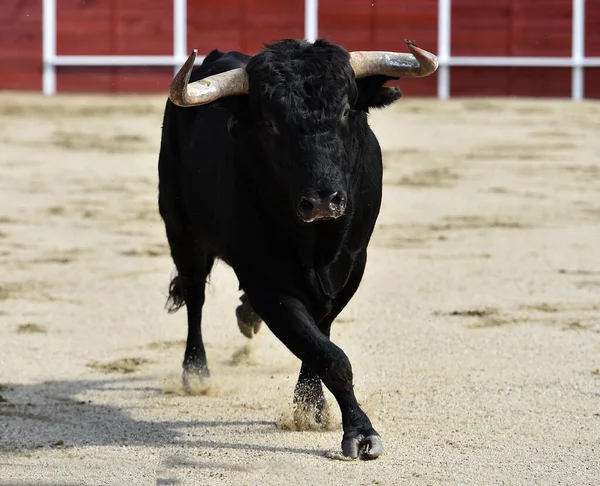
(321,205)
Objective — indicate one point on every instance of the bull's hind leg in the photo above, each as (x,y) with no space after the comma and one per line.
(193,265)
(248,321)
(308,394)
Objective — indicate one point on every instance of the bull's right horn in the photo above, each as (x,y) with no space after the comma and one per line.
(229,83)
(396,64)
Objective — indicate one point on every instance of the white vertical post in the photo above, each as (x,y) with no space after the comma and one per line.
(311,20)
(578,49)
(49,47)
(444,26)
(179,33)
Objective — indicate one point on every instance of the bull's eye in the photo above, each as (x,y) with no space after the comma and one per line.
(269,124)
(346,113)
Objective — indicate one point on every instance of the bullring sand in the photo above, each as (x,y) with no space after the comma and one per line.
(474,337)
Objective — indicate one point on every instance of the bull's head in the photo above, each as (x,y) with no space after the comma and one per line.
(306,112)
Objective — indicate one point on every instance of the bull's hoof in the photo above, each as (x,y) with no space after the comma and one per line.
(248,321)
(311,409)
(193,373)
(367,446)
(193,381)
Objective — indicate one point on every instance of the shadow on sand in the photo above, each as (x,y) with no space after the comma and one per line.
(52,414)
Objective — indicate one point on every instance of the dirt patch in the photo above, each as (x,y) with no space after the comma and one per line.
(495,321)
(484,312)
(552,134)
(124,365)
(577,326)
(456,256)
(558,307)
(167,345)
(31,328)
(401,235)
(55,211)
(519,151)
(60,259)
(438,177)
(485,317)
(193,386)
(244,356)
(484,106)
(9,220)
(565,271)
(116,143)
(468,221)
(156,250)
(586,284)
(16,290)
(84,106)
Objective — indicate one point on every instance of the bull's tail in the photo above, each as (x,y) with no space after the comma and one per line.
(176,299)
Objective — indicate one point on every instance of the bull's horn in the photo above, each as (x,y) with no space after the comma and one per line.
(233,82)
(418,64)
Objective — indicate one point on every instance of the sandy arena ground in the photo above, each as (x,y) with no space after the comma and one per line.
(474,337)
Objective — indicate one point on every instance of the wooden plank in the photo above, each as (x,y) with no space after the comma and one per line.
(541,28)
(480,28)
(347,24)
(592,28)
(383,25)
(592,83)
(395,21)
(115,27)
(133,80)
(494,27)
(215,24)
(85,28)
(84,80)
(141,80)
(267,21)
(476,81)
(143,27)
(540,82)
(243,24)
(526,82)
(20,10)
(21,44)
(22,75)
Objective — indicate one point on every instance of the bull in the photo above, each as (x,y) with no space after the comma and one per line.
(268,163)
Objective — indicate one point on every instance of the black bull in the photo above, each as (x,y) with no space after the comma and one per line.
(282,180)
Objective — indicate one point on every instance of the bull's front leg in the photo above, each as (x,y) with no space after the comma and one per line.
(308,394)
(290,321)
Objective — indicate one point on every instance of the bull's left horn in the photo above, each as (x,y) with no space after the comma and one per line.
(418,64)
(229,83)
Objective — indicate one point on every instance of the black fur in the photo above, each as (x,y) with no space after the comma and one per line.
(231,175)
(176,298)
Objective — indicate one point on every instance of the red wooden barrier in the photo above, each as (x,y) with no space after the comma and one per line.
(479,28)
(592,47)
(511,28)
(383,25)
(21,44)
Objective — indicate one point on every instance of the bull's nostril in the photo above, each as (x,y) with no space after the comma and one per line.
(336,200)
(306,205)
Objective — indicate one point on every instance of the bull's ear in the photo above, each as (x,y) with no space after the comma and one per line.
(373,94)
(236,107)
